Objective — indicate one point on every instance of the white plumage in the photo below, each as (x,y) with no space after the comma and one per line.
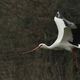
(65,36)
(65,39)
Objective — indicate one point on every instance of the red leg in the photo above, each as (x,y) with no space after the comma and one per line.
(74,55)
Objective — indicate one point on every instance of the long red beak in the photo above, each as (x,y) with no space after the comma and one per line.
(38,47)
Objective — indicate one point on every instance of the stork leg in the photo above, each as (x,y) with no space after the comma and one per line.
(74,55)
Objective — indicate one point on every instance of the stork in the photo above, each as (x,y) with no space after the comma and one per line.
(68,37)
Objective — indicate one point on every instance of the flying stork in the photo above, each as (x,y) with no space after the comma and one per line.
(68,37)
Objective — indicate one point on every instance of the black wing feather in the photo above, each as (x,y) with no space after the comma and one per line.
(69,24)
(76,36)
(75,31)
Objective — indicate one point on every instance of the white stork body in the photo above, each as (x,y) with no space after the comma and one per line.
(62,39)
(65,36)
(66,39)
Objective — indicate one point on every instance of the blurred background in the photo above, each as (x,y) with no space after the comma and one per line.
(23,25)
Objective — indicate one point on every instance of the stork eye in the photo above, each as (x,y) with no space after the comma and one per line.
(41,45)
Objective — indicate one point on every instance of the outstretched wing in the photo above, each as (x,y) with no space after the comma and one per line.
(60,25)
(67,31)
(67,35)
(69,24)
(64,32)
(71,32)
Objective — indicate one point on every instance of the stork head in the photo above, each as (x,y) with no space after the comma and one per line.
(42,45)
